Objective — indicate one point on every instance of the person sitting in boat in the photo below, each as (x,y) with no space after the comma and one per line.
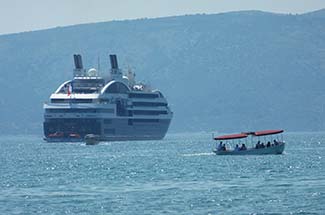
(275,142)
(268,144)
(223,147)
(219,147)
(262,145)
(243,147)
(237,148)
(258,145)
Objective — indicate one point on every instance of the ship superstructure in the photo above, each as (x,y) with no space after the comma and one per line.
(114,107)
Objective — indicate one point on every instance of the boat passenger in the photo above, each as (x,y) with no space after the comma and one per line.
(262,145)
(237,148)
(275,142)
(268,144)
(243,147)
(258,145)
(219,147)
(223,147)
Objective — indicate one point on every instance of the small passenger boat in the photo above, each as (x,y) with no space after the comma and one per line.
(272,144)
(92,139)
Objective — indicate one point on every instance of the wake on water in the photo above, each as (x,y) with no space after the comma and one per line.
(198,154)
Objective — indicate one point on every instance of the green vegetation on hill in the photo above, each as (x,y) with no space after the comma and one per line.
(227,72)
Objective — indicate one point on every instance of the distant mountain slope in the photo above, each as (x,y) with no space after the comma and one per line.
(231,71)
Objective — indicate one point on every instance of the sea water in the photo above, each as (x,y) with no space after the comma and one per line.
(177,175)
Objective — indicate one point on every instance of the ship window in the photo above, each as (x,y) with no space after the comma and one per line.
(148,112)
(58,100)
(130,122)
(104,100)
(106,111)
(83,100)
(143,95)
(107,121)
(146,120)
(149,104)
(71,100)
(109,131)
(117,87)
(79,110)
(130,113)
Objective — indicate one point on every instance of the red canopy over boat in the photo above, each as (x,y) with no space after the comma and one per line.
(231,136)
(267,132)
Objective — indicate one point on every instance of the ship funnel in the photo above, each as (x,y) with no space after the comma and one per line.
(116,73)
(77,61)
(78,70)
(113,59)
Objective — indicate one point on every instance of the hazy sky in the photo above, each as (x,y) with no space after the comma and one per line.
(27,15)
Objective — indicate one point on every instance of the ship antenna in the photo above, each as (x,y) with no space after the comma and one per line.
(98,64)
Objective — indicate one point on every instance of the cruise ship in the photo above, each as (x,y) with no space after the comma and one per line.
(112,106)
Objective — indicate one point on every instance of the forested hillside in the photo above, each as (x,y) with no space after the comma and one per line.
(224,72)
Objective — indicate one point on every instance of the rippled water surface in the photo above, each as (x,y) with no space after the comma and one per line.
(177,175)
